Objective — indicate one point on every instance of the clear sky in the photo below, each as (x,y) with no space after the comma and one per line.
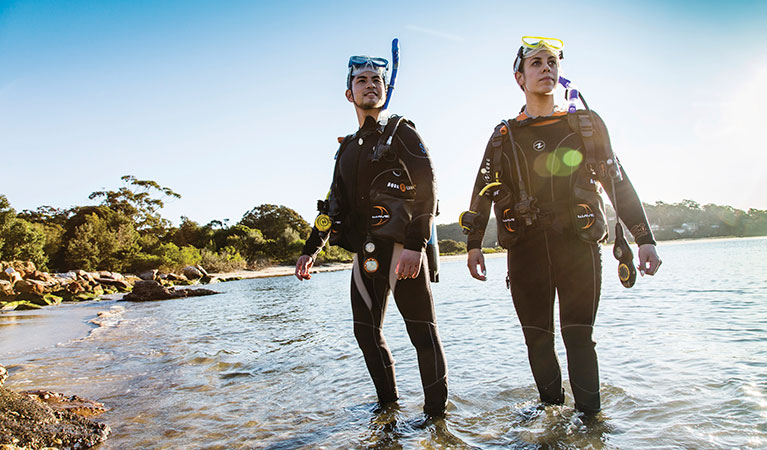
(237,103)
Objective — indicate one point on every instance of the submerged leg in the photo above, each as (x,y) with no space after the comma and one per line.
(533,290)
(415,303)
(369,298)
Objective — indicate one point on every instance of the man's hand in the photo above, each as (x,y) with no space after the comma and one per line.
(409,264)
(649,261)
(304,263)
(477,259)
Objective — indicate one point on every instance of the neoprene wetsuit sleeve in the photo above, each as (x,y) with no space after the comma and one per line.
(628,205)
(416,158)
(479,204)
(314,243)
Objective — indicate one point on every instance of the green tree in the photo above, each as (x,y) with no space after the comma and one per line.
(273,220)
(102,243)
(19,239)
(137,202)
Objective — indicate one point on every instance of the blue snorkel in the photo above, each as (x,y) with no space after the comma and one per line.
(572,95)
(395,66)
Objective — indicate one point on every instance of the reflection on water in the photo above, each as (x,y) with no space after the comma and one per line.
(272,363)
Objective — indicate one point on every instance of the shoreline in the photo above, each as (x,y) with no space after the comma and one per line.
(283,271)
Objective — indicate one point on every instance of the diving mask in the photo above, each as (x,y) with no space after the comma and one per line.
(360,64)
(534,44)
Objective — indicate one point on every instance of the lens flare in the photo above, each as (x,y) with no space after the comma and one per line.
(561,162)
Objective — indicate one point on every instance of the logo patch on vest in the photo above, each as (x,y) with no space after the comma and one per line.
(585,216)
(400,187)
(380,216)
(539,145)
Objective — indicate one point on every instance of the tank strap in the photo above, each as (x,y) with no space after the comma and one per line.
(581,123)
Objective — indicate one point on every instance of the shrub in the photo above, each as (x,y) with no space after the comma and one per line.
(451,247)
(228,259)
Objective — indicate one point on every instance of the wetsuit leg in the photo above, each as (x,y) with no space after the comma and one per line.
(532,289)
(578,270)
(415,303)
(369,298)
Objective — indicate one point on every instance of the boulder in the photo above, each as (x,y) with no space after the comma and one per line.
(192,273)
(152,290)
(10,274)
(46,299)
(149,275)
(40,276)
(20,266)
(6,289)
(30,288)
(27,422)
(201,269)
(121,285)
(76,287)
(176,277)
(82,275)
(3,375)
(19,305)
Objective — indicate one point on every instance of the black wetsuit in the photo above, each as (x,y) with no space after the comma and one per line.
(550,257)
(355,171)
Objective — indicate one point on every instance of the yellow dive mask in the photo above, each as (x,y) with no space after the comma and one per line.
(534,44)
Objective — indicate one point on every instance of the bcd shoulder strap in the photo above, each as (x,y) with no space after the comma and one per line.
(384,148)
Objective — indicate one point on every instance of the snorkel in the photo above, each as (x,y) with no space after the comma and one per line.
(395,68)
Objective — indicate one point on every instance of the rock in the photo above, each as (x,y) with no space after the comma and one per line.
(121,285)
(192,273)
(10,274)
(30,288)
(40,276)
(47,299)
(152,290)
(26,422)
(149,275)
(6,289)
(83,276)
(201,269)
(20,266)
(3,375)
(60,402)
(76,287)
(19,305)
(207,279)
(176,277)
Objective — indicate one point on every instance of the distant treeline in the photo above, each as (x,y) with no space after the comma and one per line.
(684,220)
(126,233)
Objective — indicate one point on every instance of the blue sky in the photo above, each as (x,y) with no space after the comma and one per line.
(235,104)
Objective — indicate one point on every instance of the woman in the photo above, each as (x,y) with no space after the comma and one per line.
(543,171)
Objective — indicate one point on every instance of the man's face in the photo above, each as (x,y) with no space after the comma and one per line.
(541,72)
(367,91)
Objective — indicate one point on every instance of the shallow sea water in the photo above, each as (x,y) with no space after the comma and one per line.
(272,363)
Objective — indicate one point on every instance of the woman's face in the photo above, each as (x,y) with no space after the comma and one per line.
(540,73)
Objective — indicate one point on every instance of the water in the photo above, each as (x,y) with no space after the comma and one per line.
(272,363)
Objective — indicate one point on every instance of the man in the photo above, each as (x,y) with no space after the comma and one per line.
(543,172)
(381,207)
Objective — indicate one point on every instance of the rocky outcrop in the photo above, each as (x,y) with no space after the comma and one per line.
(28,423)
(152,290)
(60,402)
(22,286)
